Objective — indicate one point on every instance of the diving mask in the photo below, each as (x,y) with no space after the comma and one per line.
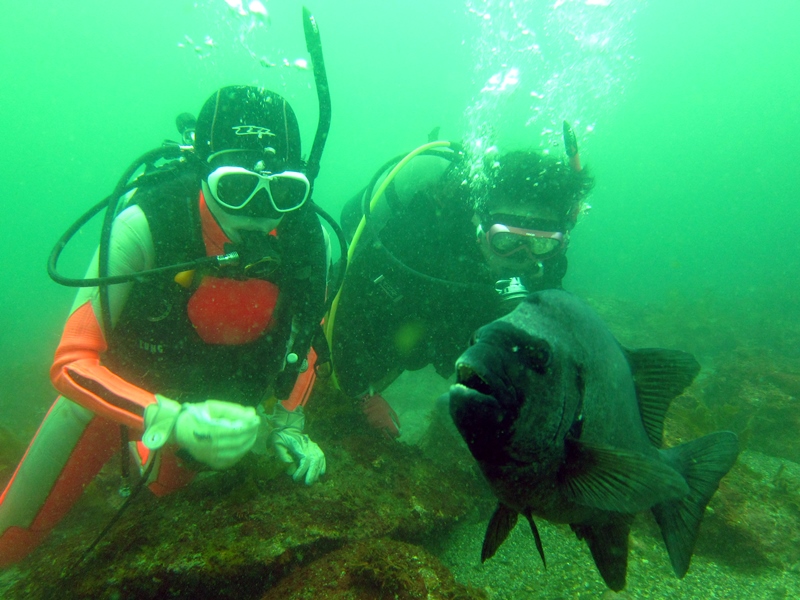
(239,189)
(506,241)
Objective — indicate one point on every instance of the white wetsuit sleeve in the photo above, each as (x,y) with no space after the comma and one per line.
(131,250)
(77,371)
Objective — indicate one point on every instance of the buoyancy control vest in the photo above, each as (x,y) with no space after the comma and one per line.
(158,343)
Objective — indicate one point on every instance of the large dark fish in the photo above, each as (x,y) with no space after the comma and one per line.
(567,425)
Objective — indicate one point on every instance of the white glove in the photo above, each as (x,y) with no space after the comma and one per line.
(214,432)
(293,447)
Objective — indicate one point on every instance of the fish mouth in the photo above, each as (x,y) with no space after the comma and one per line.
(470,378)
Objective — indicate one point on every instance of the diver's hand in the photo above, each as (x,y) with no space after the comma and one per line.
(302,456)
(214,432)
(381,415)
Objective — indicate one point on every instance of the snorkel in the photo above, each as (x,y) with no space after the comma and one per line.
(571,146)
(311,335)
(314,47)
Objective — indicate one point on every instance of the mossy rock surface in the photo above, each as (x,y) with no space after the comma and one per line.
(374,569)
(235,534)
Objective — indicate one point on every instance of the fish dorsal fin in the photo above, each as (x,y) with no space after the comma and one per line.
(659,376)
(500,525)
(617,480)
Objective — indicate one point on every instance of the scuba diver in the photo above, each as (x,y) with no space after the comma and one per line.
(190,362)
(440,249)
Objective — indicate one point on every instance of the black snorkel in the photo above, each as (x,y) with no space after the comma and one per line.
(311,334)
(314,47)
(571,147)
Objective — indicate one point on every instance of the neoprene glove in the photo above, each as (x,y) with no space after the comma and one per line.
(214,432)
(302,456)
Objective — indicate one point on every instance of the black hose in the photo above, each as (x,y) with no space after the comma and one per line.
(343,251)
(55,253)
(314,46)
(375,232)
(134,493)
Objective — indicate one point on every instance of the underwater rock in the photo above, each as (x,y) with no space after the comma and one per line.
(748,395)
(237,533)
(374,569)
(754,520)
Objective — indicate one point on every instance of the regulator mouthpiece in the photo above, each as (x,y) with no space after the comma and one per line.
(510,289)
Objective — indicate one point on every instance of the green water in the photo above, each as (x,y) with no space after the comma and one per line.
(687,112)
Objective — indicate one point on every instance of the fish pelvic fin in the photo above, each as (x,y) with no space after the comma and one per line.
(608,544)
(617,480)
(536,537)
(659,376)
(500,525)
(703,462)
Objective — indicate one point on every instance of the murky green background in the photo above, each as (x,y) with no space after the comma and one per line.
(687,113)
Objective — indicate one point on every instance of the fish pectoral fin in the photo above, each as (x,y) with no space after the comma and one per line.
(618,480)
(500,525)
(659,376)
(608,544)
(536,537)
(703,462)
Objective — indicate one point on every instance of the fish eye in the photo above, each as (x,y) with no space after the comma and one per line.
(536,355)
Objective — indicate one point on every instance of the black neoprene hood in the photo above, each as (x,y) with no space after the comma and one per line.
(248,118)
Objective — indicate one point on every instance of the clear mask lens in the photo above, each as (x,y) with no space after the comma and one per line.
(288,192)
(508,241)
(234,188)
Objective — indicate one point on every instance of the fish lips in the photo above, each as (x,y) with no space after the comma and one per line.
(482,414)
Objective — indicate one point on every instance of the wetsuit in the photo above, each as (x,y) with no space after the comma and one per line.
(417,286)
(217,334)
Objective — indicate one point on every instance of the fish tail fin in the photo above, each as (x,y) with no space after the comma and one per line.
(703,462)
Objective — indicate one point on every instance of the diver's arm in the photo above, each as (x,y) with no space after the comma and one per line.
(76,371)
